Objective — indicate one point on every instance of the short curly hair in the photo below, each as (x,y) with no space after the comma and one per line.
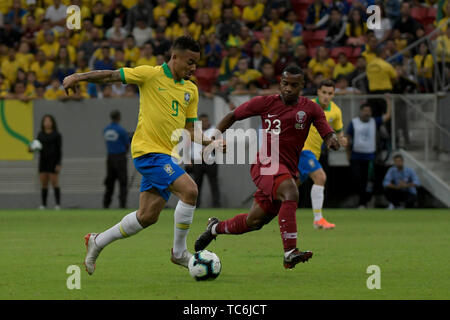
(186,43)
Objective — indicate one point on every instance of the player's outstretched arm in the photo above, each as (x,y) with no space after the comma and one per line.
(97,76)
(226,122)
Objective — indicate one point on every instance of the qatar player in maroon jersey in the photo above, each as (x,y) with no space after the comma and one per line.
(287,118)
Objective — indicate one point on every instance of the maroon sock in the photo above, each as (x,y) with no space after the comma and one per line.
(288,224)
(236,225)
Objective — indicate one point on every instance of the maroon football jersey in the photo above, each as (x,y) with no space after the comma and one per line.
(289,124)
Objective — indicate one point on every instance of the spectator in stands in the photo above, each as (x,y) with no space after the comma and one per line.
(147,56)
(258,59)
(162,44)
(321,63)
(370,49)
(142,33)
(106,62)
(392,10)
(117,145)
(34,11)
(8,34)
(213,51)
(10,65)
(381,75)
(142,10)
(131,51)
(424,64)
(179,28)
(361,82)
(163,9)
(50,46)
(285,57)
(252,14)
(18,92)
(116,34)
(294,25)
(267,84)
(361,150)
(24,56)
(43,68)
(185,8)
(115,10)
(400,185)
(311,89)
(230,61)
(356,28)
(199,168)
(400,40)
(342,6)
(342,86)
(336,27)
(98,13)
(63,66)
(4,86)
(343,67)
(244,73)
(205,26)
(276,23)
(64,42)
(301,57)
(269,43)
(16,13)
(318,15)
(384,32)
(30,29)
(406,24)
(228,26)
(56,13)
(130,91)
(54,91)
(443,53)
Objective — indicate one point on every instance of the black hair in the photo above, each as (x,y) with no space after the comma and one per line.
(186,43)
(54,125)
(293,69)
(397,155)
(327,83)
(115,115)
(203,115)
(365,104)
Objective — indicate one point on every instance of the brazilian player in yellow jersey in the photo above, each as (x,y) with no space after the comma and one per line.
(309,165)
(168,103)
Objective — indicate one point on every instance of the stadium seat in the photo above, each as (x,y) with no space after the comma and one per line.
(348,51)
(420,14)
(206,78)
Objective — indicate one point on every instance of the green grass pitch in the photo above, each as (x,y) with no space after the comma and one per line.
(411,247)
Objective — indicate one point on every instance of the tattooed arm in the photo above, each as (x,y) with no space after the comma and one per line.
(97,76)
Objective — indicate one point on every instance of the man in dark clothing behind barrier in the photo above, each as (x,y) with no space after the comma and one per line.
(117,144)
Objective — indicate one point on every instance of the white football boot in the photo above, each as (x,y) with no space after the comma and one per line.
(183,260)
(92,252)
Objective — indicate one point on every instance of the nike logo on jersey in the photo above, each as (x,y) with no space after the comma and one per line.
(271,115)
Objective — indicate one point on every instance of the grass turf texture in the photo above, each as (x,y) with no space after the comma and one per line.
(411,247)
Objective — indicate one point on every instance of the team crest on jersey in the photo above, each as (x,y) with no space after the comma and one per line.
(187,97)
(168,168)
(300,117)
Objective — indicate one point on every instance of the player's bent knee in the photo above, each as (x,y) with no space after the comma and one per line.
(190,195)
(147,218)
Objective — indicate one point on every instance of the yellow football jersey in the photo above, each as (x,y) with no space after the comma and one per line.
(334,117)
(165,106)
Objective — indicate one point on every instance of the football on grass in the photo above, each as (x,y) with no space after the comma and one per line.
(204,265)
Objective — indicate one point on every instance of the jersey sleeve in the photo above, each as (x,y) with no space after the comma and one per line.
(251,108)
(337,123)
(137,75)
(319,120)
(191,113)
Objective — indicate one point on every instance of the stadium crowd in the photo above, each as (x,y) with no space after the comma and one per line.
(245,43)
